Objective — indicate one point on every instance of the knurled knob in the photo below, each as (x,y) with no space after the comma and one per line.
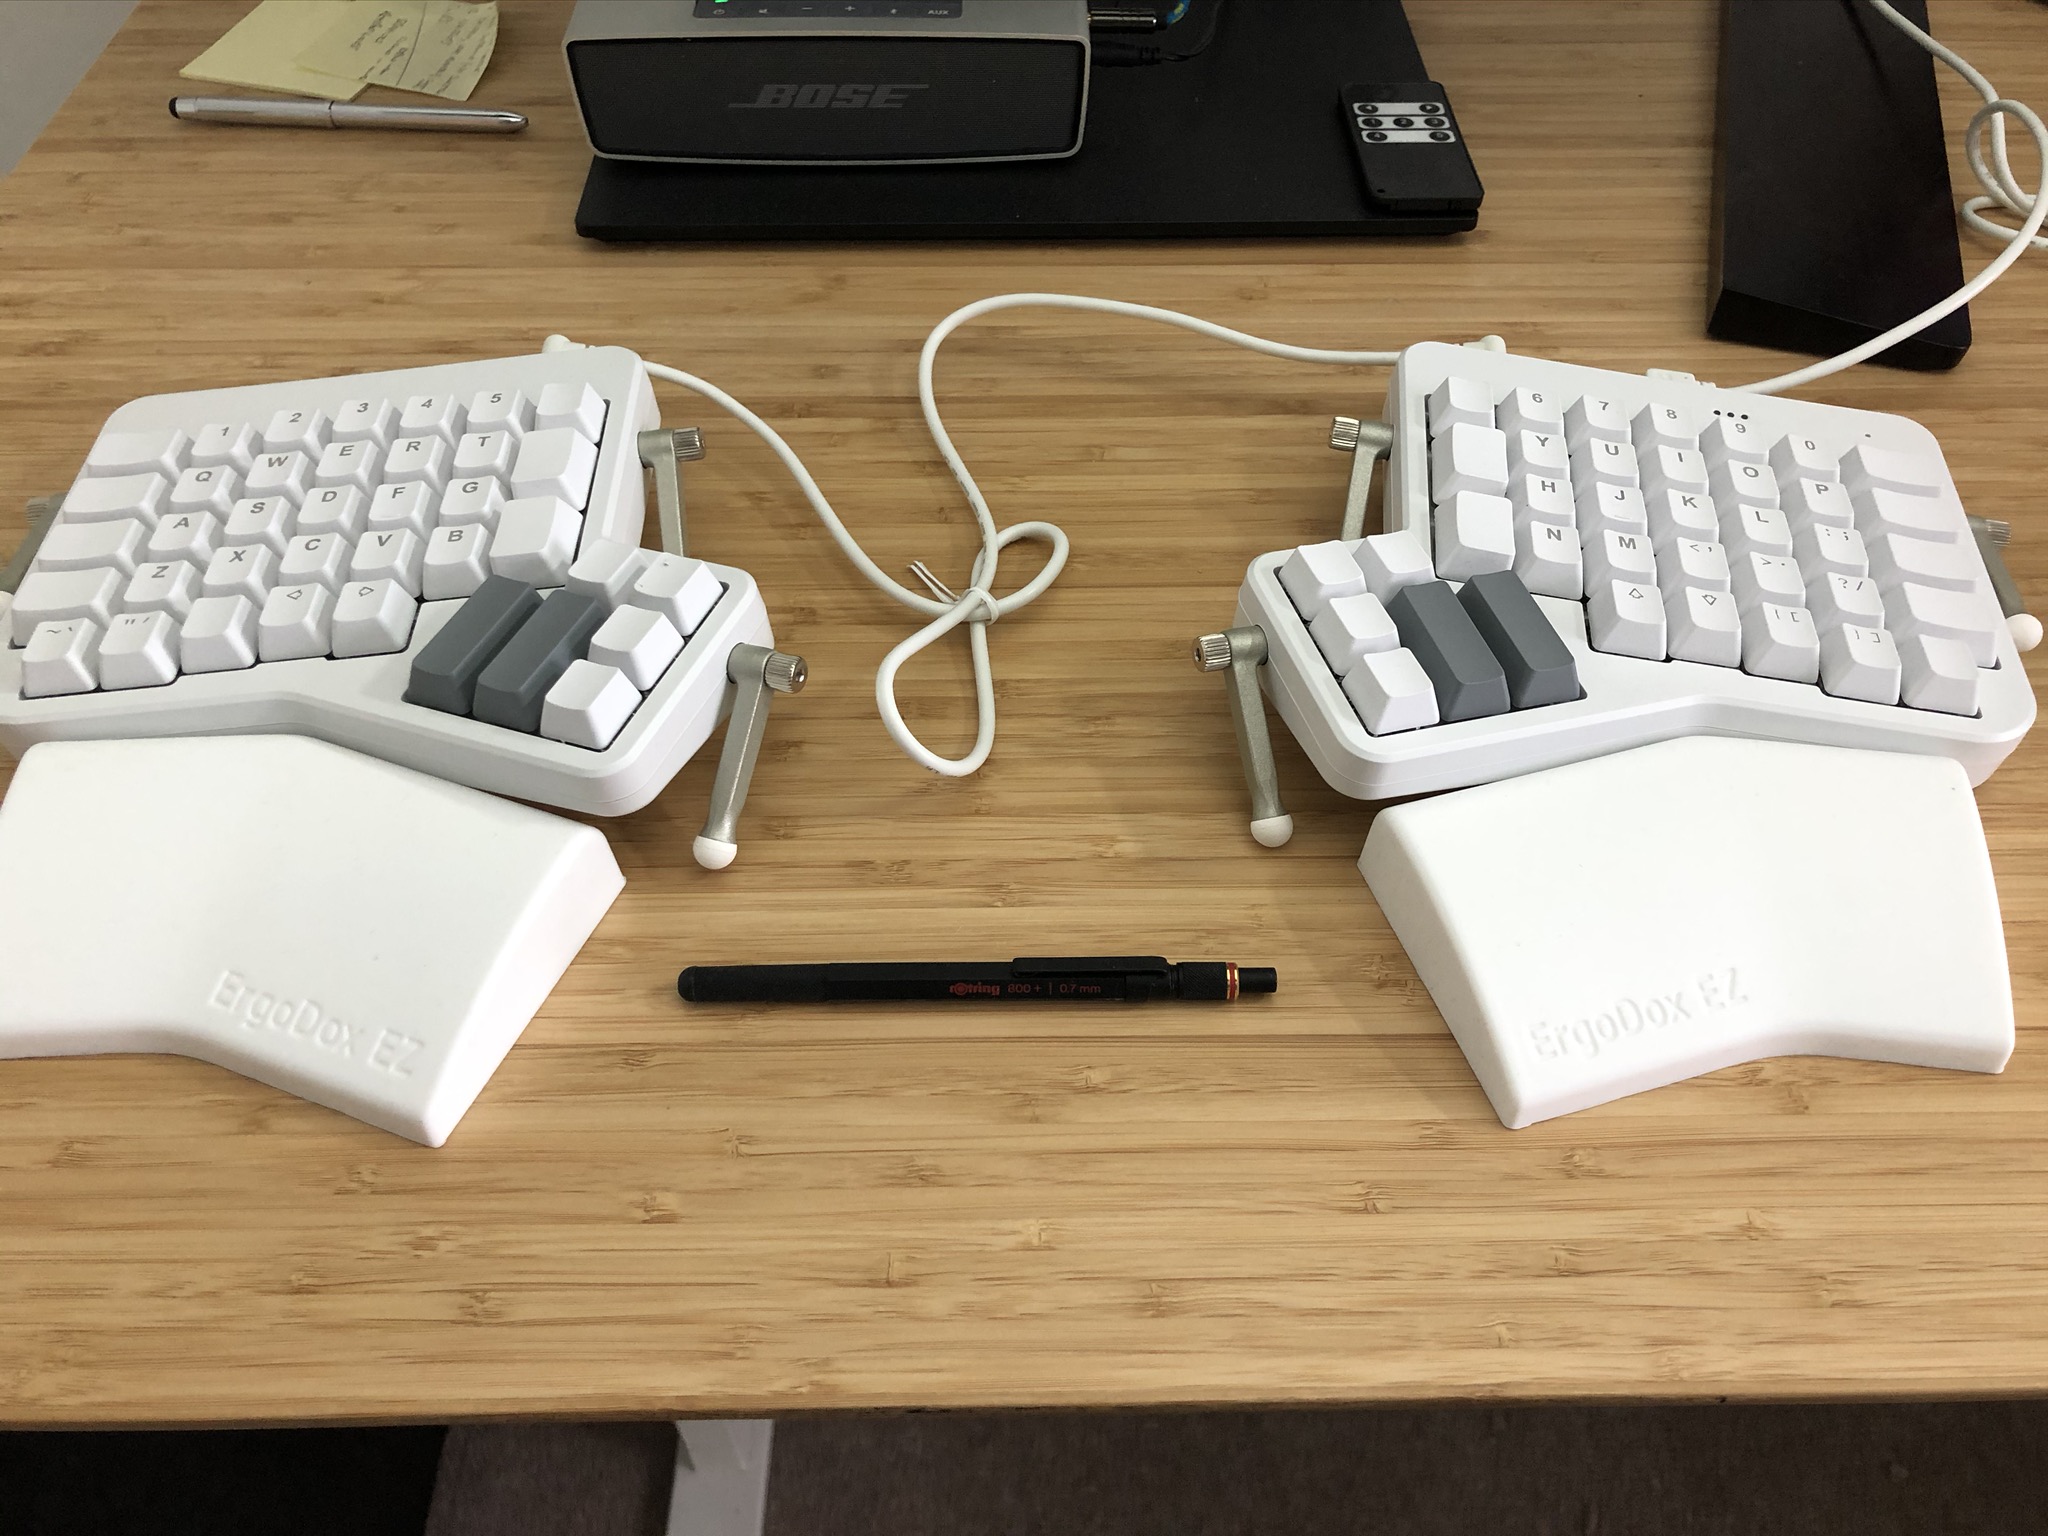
(689,444)
(784,673)
(1212,652)
(1344,433)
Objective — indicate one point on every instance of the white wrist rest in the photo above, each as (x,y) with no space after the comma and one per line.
(358,934)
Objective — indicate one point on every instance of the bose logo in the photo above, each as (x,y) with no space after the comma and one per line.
(880,97)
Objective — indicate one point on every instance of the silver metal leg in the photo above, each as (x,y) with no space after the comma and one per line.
(721,1486)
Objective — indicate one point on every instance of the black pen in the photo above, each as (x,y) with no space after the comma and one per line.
(1087,979)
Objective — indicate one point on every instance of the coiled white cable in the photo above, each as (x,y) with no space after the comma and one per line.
(2001,190)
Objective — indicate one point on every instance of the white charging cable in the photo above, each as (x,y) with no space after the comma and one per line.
(2001,190)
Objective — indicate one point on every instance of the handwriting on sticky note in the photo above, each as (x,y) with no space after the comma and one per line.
(261,50)
(435,47)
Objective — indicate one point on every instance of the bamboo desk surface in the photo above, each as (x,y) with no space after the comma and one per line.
(654,1211)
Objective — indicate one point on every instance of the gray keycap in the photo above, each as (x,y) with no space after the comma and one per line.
(444,673)
(1538,663)
(515,684)
(1468,678)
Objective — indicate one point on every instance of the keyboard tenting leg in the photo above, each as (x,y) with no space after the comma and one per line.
(758,672)
(1240,653)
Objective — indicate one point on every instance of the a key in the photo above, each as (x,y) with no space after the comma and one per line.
(219,634)
(1625,618)
(265,520)
(140,651)
(484,453)
(294,623)
(1859,662)
(372,618)
(1822,547)
(682,589)
(1737,482)
(438,416)
(1802,458)
(279,474)
(364,421)
(1754,530)
(54,595)
(1820,501)
(230,444)
(1895,558)
(335,509)
(1937,674)
(164,586)
(62,657)
(387,554)
(350,463)
(1466,458)
(1459,401)
(421,459)
(500,410)
(240,570)
(1548,558)
(407,505)
(1605,507)
(1591,419)
(576,406)
(1544,499)
(1391,693)
(302,431)
(607,568)
(1779,640)
(1835,600)
(1537,663)
(209,488)
(319,559)
(555,461)
(1702,625)
(536,540)
(1466,676)
(1538,453)
(1529,410)
(474,500)
(1867,467)
(1662,426)
(456,561)
(162,452)
(1667,469)
(445,671)
(187,536)
(1606,462)
(1970,618)
(1678,515)
(511,689)
(1626,557)
(142,497)
(73,546)
(1390,562)
(588,706)
(1346,629)
(1878,510)
(1474,534)
(1692,563)
(641,643)
(1758,580)
(1316,573)
(1728,439)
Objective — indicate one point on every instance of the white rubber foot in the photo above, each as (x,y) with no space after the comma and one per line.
(2026,630)
(1273,831)
(713,854)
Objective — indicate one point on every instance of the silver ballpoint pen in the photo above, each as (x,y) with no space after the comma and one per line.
(263,113)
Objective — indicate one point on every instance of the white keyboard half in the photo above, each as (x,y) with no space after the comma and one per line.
(439,566)
(1713,562)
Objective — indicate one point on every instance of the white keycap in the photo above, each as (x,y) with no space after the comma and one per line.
(484,453)
(46,595)
(336,509)
(1593,419)
(641,643)
(1538,453)
(301,430)
(233,444)
(219,634)
(240,570)
(1760,579)
(1895,558)
(421,459)
(1866,467)
(1673,469)
(73,546)
(456,562)
(588,706)
(535,540)
(1662,426)
(682,590)
(1392,561)
(472,501)
(439,416)
(1391,692)
(554,461)
(140,651)
(1544,499)
(1860,663)
(1970,618)
(500,410)
(576,406)
(1702,625)
(1835,600)
(188,536)
(1681,515)
(1937,674)
(1802,458)
(206,488)
(1729,440)
(372,618)
(1474,534)
(1756,530)
(1822,547)
(294,623)
(606,570)
(165,586)
(1605,506)
(409,505)
(1347,629)
(1456,401)
(1625,618)
(1692,563)
(1779,640)
(1737,482)
(351,463)
(1819,501)
(62,657)
(1548,559)
(265,520)
(124,496)
(1879,510)
(1623,557)
(319,558)
(1530,410)
(364,421)
(386,554)
(1316,573)
(162,452)
(1607,462)
(279,474)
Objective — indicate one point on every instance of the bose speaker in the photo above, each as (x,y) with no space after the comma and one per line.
(830,82)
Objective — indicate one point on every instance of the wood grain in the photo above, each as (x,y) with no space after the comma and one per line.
(654,1210)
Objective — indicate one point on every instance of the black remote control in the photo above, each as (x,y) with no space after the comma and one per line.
(1410,148)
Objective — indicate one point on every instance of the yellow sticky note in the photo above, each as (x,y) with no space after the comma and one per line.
(435,47)
(262,50)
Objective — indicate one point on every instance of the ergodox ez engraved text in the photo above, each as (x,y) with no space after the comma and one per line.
(304,1020)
